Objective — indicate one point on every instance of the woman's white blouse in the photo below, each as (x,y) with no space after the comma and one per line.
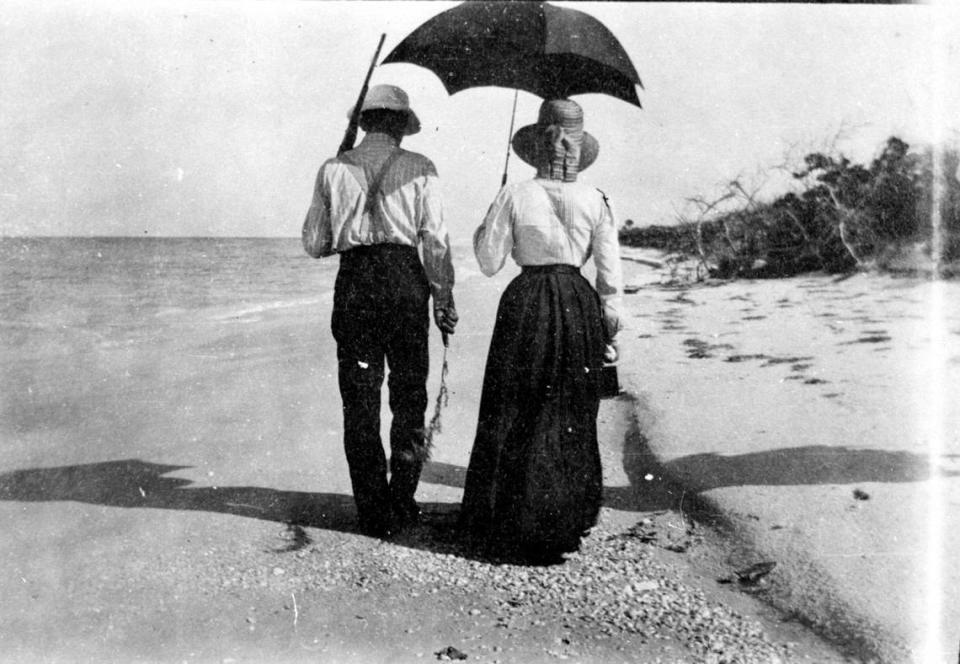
(544,222)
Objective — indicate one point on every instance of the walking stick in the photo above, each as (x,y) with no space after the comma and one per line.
(443,396)
(350,136)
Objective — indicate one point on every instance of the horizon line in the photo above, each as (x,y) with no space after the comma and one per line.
(148,237)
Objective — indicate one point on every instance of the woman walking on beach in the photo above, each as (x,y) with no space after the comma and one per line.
(534,482)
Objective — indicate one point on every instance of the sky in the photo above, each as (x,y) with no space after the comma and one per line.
(212,118)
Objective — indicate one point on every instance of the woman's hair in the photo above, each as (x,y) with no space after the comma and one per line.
(384,120)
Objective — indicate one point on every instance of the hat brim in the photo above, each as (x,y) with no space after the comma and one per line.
(526,140)
(413,123)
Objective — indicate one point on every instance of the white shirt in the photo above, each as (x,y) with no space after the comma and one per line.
(408,211)
(543,222)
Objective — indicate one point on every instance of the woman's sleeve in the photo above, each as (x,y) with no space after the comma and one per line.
(493,240)
(606,255)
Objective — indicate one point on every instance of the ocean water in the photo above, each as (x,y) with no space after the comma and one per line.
(115,347)
(55,292)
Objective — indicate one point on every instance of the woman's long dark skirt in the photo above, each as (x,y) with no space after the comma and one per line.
(534,483)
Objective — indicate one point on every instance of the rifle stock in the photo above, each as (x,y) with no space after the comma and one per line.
(350,136)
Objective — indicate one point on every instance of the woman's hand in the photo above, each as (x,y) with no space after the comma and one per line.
(611,352)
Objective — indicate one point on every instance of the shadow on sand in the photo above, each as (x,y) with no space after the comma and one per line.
(136,483)
(133,483)
(814,464)
(653,486)
(808,465)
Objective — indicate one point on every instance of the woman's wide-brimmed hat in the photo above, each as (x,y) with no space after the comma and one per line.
(391,98)
(557,139)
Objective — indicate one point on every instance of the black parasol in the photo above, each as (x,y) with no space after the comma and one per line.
(550,51)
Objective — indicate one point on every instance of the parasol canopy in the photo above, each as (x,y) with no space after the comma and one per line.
(550,51)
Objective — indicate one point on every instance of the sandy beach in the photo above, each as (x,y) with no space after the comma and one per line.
(781,471)
(182,496)
(814,414)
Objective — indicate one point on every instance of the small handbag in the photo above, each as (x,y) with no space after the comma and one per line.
(609,381)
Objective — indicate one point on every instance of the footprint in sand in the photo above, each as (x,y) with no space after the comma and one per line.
(745,358)
(869,339)
(772,361)
(698,349)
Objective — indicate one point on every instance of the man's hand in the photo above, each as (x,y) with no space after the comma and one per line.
(446,318)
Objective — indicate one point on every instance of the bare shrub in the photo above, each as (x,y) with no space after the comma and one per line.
(843,216)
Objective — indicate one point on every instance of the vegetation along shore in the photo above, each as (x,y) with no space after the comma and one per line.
(899,213)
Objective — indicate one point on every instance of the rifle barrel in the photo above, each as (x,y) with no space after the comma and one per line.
(350,136)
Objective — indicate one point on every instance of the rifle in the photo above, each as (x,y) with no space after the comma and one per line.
(350,137)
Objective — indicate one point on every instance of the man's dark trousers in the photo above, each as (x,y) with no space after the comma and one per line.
(381,311)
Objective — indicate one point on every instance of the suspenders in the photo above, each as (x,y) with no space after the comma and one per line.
(373,191)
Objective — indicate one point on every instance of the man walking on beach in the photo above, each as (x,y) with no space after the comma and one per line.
(375,205)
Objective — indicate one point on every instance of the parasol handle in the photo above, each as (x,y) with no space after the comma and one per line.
(513,116)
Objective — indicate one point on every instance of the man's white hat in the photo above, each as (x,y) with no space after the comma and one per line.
(391,98)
